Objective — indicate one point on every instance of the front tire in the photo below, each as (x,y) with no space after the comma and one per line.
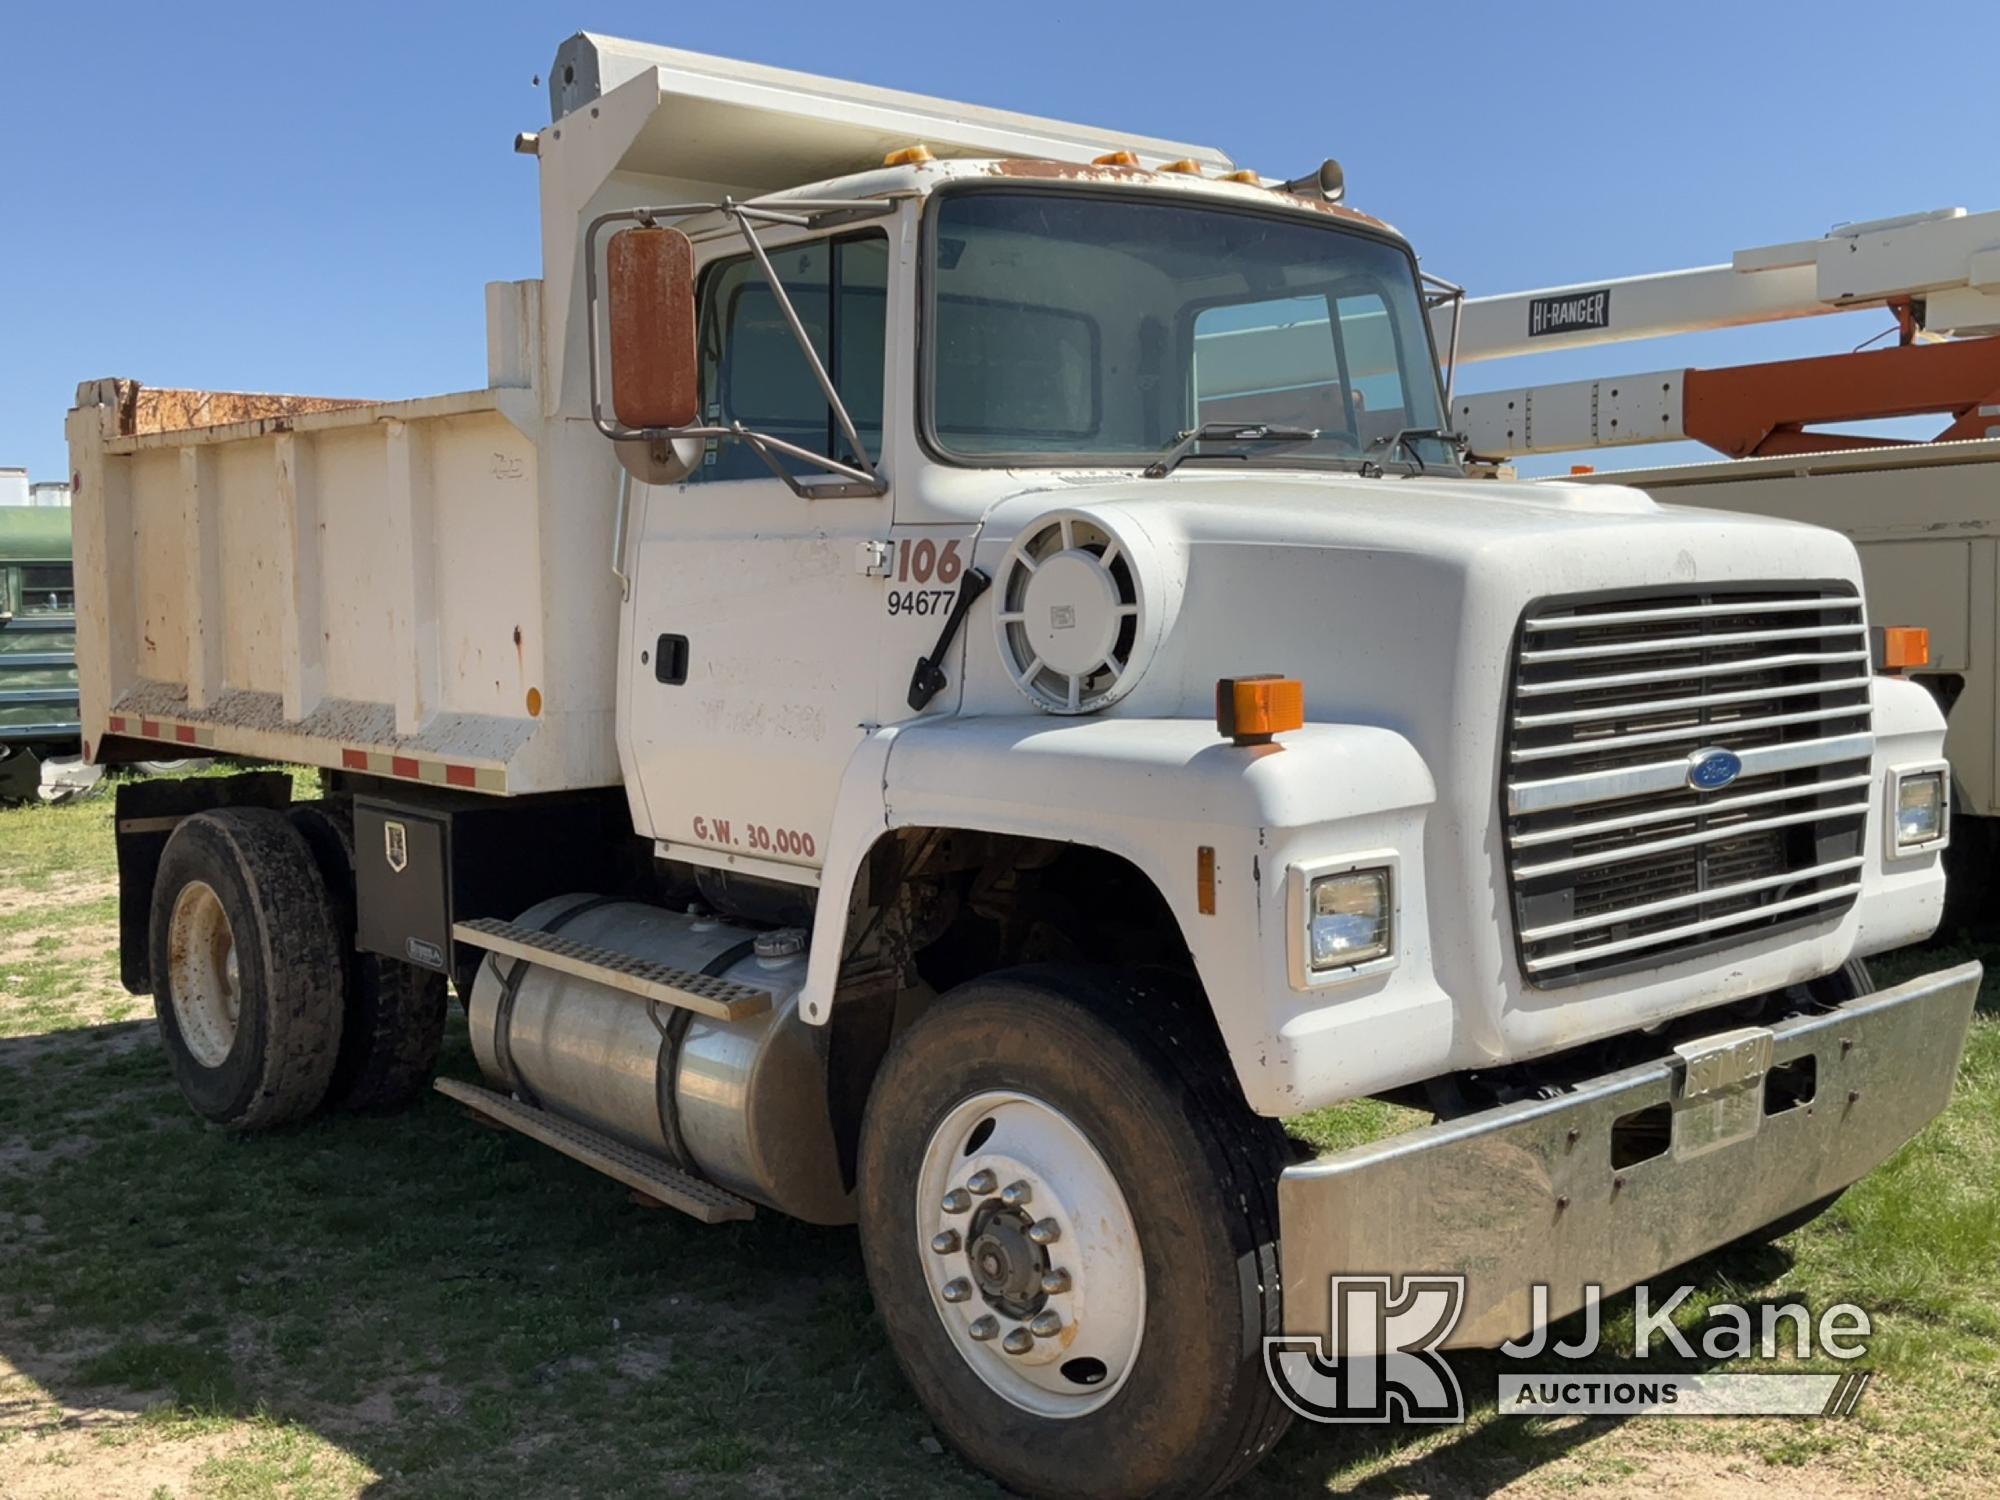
(1101,1333)
(246,969)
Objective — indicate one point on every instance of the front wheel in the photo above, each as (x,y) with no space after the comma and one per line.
(1069,1221)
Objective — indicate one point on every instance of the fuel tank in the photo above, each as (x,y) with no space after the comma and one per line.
(741,1103)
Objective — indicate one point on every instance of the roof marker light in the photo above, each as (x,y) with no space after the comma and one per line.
(909,156)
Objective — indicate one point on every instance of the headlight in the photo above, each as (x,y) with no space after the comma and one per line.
(1347,920)
(1919,809)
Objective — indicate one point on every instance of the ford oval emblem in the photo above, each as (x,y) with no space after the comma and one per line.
(1712,770)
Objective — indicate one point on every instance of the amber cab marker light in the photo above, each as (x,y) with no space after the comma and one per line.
(1187,166)
(1901,648)
(1249,710)
(909,156)
(1116,159)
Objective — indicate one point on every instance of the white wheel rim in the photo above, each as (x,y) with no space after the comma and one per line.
(203,974)
(1059,1348)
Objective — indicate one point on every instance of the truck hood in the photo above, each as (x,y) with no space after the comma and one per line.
(1363,587)
(1396,602)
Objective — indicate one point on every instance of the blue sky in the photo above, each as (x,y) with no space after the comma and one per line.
(240,197)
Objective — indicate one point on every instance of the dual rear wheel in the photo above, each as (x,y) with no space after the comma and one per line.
(266,1011)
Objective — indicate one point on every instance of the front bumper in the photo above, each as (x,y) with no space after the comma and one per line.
(1528,1193)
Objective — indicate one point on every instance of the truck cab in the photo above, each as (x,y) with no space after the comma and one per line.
(952,680)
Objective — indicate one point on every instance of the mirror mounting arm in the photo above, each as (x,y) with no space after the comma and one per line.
(743,216)
(841,479)
(1436,293)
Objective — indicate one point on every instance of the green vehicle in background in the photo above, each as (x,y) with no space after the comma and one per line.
(38,700)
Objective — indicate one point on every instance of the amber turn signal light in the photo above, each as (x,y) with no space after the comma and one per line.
(1249,710)
(1900,648)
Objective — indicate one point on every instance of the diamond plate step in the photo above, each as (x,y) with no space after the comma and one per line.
(705,994)
(646,1174)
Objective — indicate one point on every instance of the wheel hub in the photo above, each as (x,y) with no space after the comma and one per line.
(204,974)
(1007,1266)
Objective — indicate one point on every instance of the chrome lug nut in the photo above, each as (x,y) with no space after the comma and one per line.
(1046,1325)
(1020,1341)
(984,1328)
(1044,1231)
(957,1201)
(944,1242)
(958,1289)
(1016,1194)
(1056,1282)
(982,1182)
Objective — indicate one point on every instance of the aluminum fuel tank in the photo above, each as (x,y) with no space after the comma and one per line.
(742,1103)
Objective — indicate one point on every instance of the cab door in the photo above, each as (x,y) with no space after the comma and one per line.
(755,621)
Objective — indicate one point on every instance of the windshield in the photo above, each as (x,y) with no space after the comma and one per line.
(1067,327)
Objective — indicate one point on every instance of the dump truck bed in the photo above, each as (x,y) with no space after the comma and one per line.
(380,587)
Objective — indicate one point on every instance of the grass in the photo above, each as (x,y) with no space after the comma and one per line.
(421,1307)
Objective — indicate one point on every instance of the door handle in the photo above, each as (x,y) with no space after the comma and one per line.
(670,660)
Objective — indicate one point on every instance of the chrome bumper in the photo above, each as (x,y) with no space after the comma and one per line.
(1527,1193)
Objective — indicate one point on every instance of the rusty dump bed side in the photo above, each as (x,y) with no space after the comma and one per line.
(375,586)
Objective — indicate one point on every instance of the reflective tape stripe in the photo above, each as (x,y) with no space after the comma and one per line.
(352,757)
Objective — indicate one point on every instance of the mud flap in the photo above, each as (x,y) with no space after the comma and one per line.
(146,814)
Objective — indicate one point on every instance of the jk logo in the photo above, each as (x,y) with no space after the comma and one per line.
(1381,1363)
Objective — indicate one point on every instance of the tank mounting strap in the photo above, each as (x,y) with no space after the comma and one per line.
(705,994)
(643,1173)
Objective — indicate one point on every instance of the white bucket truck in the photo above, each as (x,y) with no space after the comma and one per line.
(951,680)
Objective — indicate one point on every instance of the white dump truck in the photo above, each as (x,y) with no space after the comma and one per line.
(952,679)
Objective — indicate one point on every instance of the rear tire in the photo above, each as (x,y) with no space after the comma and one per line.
(394,1011)
(1119,1083)
(246,969)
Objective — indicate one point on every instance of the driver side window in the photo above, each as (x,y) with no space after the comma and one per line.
(753,371)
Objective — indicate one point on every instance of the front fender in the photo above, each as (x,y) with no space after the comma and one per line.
(1155,792)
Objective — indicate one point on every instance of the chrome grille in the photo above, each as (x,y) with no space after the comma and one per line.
(1614,861)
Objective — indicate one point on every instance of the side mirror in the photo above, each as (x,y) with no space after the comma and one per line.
(655,378)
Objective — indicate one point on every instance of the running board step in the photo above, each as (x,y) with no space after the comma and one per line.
(643,1173)
(704,994)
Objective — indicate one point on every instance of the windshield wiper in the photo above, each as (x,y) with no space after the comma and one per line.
(1231,432)
(1407,438)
